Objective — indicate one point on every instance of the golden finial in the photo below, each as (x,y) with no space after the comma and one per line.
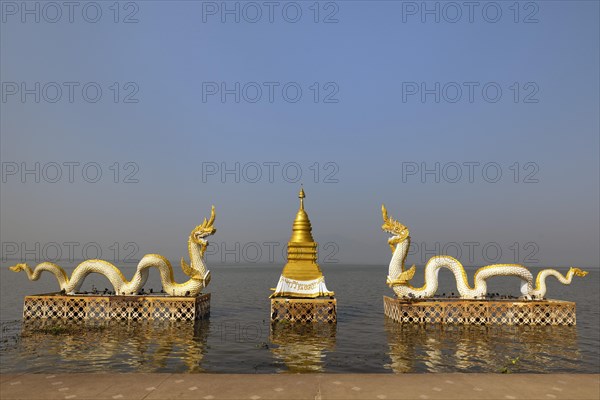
(301,195)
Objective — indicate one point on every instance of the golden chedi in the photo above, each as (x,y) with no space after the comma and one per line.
(301,276)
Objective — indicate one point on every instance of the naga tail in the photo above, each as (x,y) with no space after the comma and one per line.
(21,267)
(577,272)
(17,267)
(564,279)
(34,274)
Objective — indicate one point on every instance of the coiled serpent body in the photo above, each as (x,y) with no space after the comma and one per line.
(399,278)
(197,271)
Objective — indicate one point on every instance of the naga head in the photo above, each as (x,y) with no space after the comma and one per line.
(198,236)
(18,267)
(578,272)
(204,230)
(393,227)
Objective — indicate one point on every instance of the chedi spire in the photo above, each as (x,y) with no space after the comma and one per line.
(301,276)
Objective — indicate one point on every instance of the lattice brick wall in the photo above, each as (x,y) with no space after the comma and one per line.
(121,308)
(303,310)
(480,312)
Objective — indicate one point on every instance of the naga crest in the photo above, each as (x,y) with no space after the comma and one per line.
(205,229)
(400,233)
(392,226)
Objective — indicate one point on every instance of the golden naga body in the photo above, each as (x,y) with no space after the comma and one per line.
(399,278)
(196,270)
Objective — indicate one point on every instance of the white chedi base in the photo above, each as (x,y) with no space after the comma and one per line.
(293,288)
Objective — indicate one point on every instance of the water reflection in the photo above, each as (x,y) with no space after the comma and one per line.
(135,347)
(302,347)
(456,348)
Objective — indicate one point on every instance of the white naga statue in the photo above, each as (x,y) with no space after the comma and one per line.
(399,278)
(199,275)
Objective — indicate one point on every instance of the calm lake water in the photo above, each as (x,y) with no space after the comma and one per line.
(237,337)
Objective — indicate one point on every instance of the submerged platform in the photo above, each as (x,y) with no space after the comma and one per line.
(480,312)
(82,307)
(303,310)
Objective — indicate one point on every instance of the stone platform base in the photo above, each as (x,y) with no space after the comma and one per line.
(480,312)
(119,308)
(334,386)
(303,310)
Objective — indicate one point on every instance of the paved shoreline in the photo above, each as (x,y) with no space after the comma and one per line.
(166,386)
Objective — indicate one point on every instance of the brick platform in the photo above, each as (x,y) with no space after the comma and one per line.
(480,312)
(119,308)
(303,310)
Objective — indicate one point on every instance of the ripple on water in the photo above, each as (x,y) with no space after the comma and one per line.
(238,337)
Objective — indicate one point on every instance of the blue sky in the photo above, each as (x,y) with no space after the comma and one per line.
(364,131)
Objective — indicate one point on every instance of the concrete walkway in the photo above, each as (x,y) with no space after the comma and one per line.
(305,386)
